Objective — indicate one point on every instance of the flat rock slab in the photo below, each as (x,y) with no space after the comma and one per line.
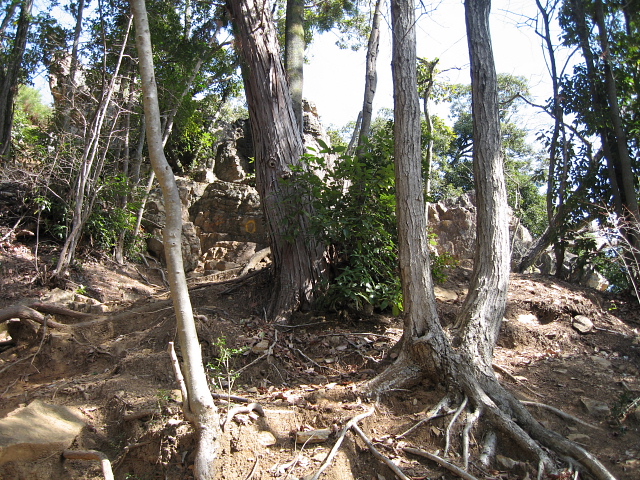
(38,430)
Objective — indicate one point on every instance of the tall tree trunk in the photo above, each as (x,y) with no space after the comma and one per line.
(298,259)
(461,359)
(481,314)
(294,55)
(629,195)
(199,406)
(10,78)
(425,86)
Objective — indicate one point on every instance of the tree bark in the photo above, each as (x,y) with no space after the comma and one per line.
(10,77)
(371,77)
(298,259)
(481,314)
(294,55)
(461,359)
(199,407)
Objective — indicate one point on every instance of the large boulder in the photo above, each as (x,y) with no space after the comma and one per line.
(228,212)
(233,156)
(453,223)
(38,430)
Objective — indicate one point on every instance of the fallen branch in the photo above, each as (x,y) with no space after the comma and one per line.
(377,454)
(336,446)
(140,414)
(231,398)
(440,461)
(180,379)
(91,455)
(27,313)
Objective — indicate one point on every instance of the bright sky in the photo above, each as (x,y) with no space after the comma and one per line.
(334,78)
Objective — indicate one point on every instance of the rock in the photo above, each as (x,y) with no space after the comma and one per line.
(232,162)
(528,319)
(260,347)
(582,324)
(38,430)
(595,408)
(445,295)
(266,438)
(578,437)
(454,225)
(601,362)
(313,436)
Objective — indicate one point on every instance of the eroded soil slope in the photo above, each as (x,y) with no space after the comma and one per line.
(113,366)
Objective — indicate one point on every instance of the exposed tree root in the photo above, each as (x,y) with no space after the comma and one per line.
(27,313)
(561,414)
(91,455)
(336,446)
(252,407)
(451,424)
(499,407)
(255,260)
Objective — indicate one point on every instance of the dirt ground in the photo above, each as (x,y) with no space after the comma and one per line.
(115,368)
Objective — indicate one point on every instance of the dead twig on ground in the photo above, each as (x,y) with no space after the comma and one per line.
(430,415)
(376,453)
(515,380)
(254,469)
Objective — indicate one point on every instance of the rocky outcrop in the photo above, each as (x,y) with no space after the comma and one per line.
(223,221)
(453,223)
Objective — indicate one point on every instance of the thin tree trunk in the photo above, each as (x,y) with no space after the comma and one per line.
(9,79)
(629,194)
(84,186)
(294,55)
(298,258)
(425,87)
(199,407)
(371,77)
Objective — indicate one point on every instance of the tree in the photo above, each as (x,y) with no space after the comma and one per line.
(462,357)
(198,406)
(11,70)
(298,259)
(294,55)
